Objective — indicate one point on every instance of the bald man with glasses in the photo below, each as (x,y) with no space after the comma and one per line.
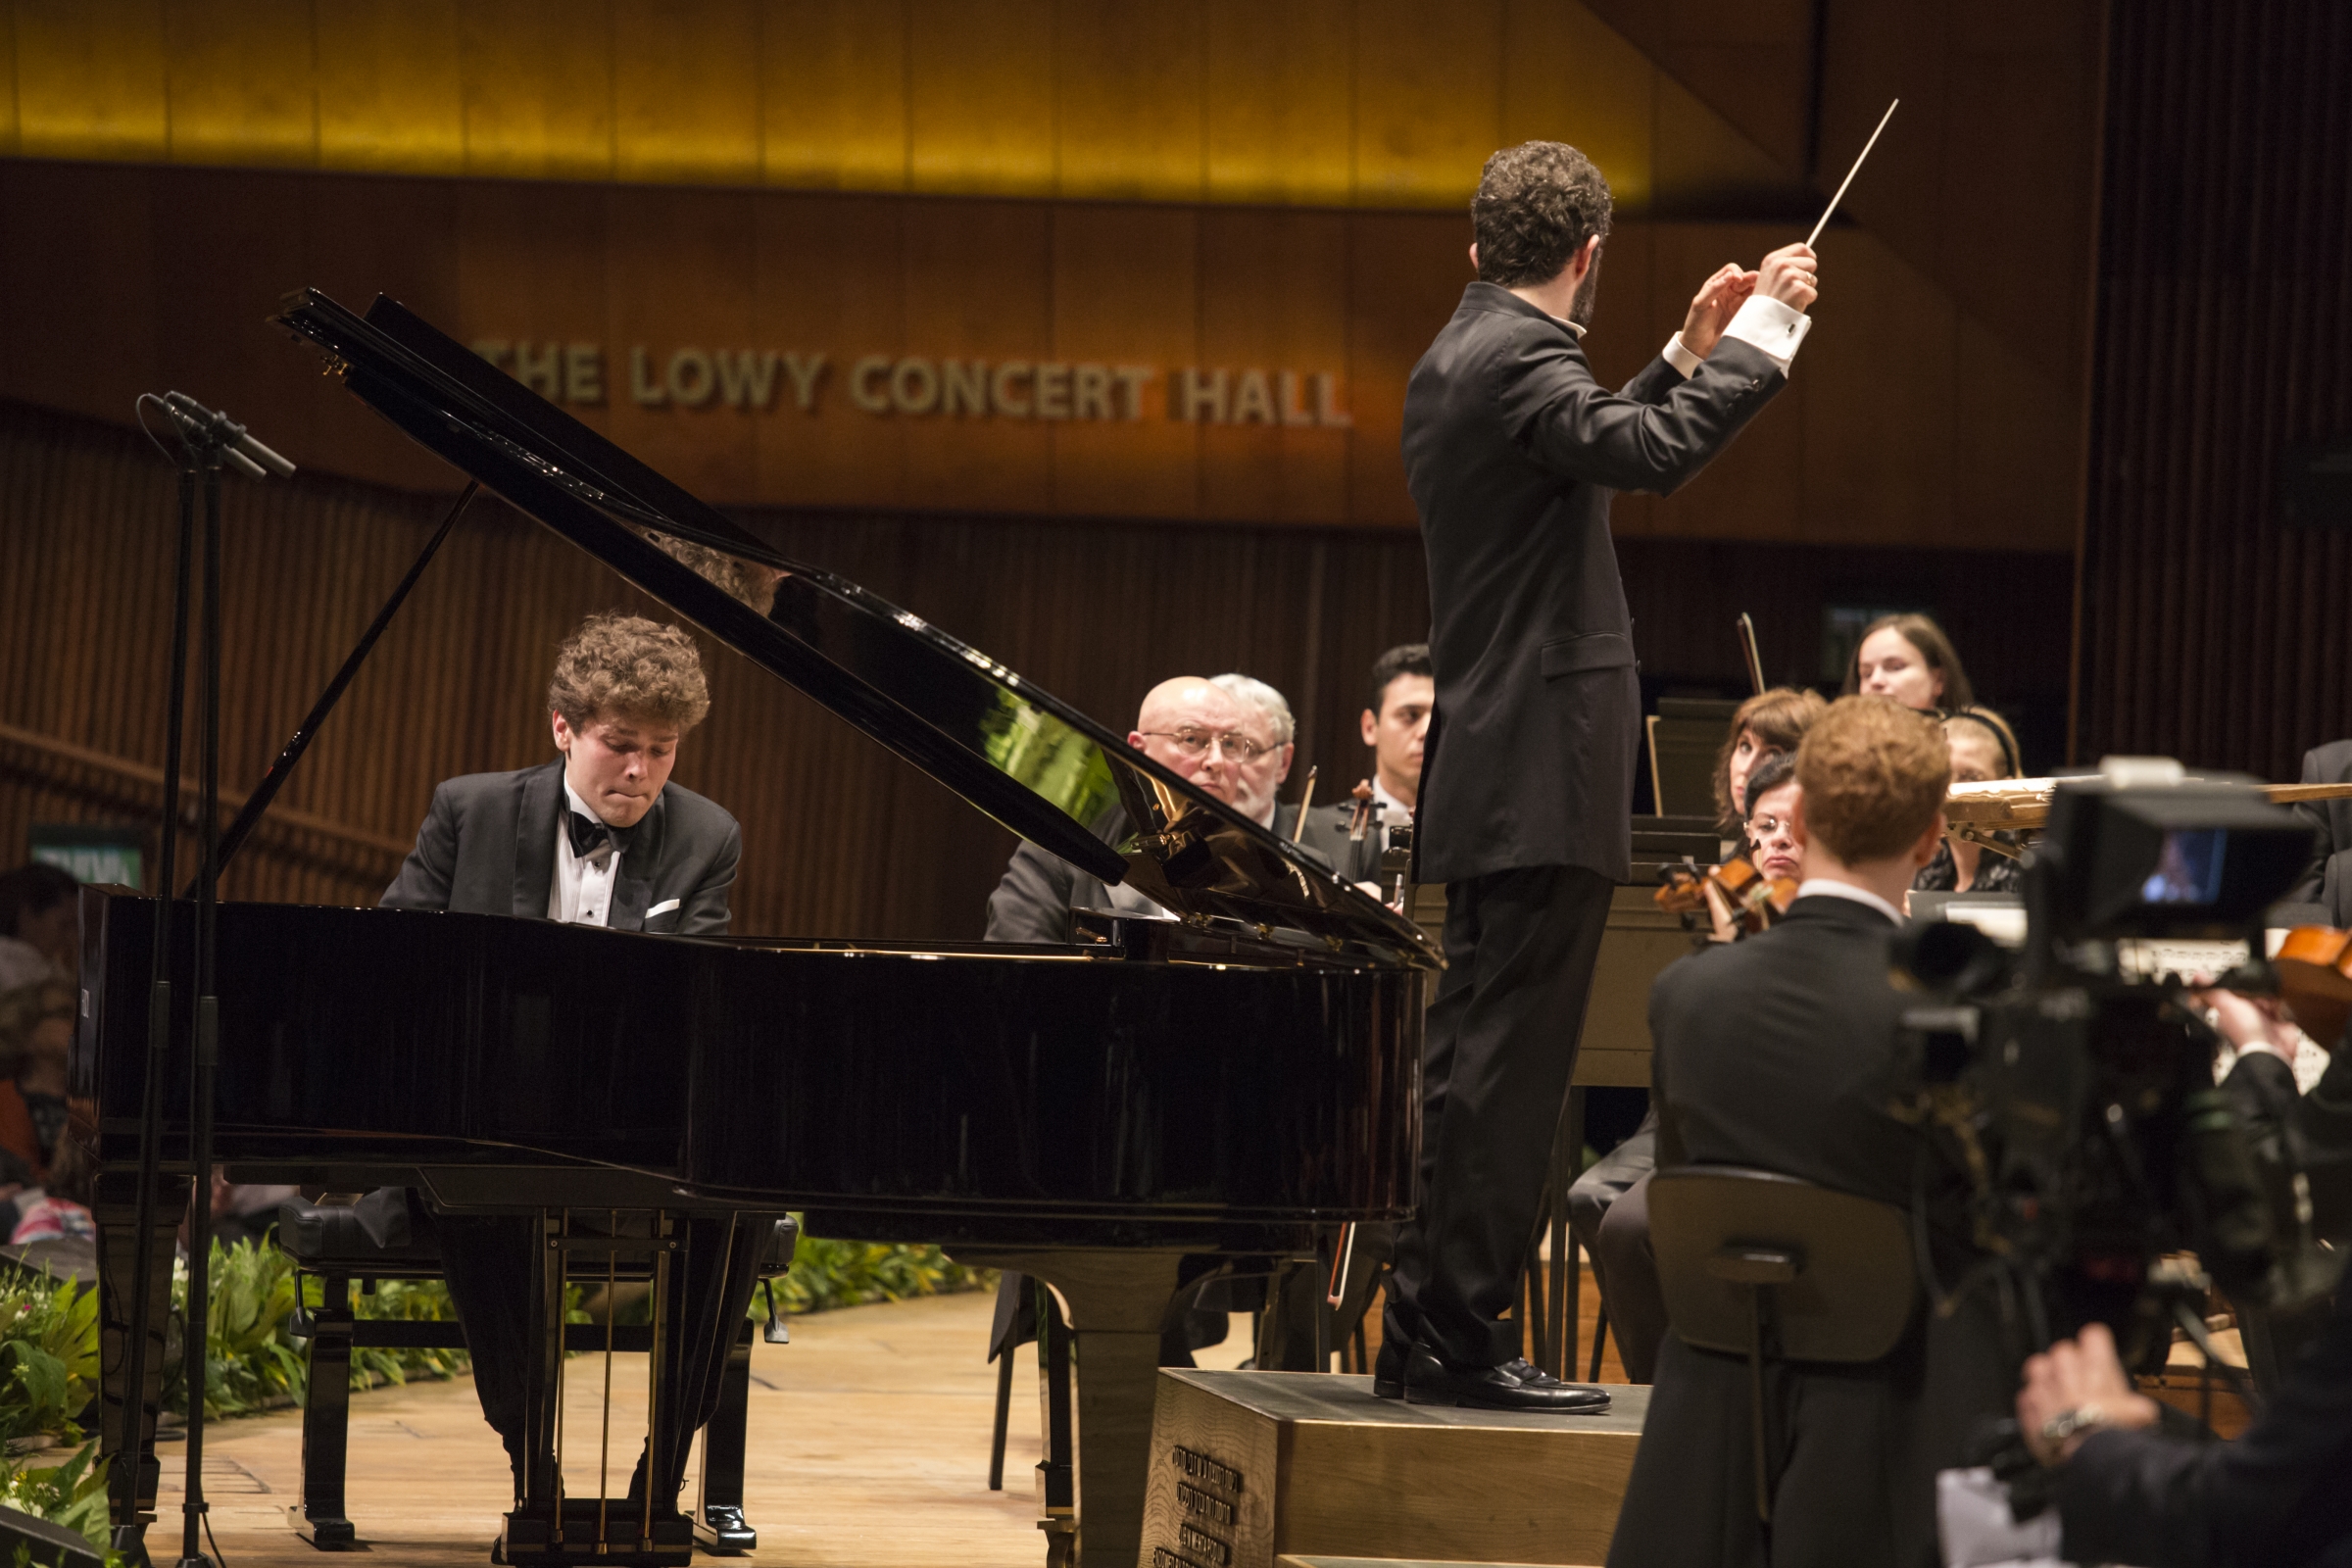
(1230,737)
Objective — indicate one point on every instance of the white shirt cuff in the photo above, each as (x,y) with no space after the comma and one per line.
(1770,326)
(1677,355)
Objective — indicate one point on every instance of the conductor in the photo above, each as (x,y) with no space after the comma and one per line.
(1511,451)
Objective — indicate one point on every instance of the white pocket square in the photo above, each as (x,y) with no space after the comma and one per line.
(663,908)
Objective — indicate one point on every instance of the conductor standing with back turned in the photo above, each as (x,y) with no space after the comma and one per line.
(1511,451)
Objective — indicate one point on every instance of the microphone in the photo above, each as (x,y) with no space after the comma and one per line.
(237,444)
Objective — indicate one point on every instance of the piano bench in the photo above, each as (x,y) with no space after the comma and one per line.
(389,1235)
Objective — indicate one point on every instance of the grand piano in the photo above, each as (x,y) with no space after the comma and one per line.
(1122,1118)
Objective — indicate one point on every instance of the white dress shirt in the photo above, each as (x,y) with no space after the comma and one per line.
(1821,887)
(1392,811)
(582,891)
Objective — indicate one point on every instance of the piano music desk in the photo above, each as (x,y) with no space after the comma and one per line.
(1250,1466)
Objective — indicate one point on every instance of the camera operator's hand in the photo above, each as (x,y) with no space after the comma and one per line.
(2251,1023)
(2073,1388)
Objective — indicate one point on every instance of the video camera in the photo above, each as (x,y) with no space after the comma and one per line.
(2071,1082)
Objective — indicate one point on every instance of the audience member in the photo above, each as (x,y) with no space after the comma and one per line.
(40,914)
(1909,659)
(1230,737)
(1395,723)
(1983,748)
(1778,1053)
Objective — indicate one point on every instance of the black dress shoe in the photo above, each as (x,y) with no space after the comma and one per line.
(1388,1369)
(1428,1380)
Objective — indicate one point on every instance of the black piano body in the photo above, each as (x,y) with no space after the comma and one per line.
(1119,1117)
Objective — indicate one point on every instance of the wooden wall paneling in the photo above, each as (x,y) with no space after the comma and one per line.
(1568,77)
(833,95)
(830,279)
(980,110)
(239,77)
(11,134)
(1405,277)
(96,263)
(1427,99)
(686,83)
(1128,289)
(1267,301)
(1880,467)
(655,239)
(2017,439)
(1128,100)
(90,81)
(1624,334)
(1701,165)
(391,85)
(980,281)
(1279,110)
(538,88)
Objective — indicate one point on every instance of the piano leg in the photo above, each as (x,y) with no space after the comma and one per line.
(718,1525)
(1117,1301)
(319,1517)
(115,1212)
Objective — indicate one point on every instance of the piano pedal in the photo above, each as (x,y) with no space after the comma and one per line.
(775,1333)
(1061,1541)
(719,1530)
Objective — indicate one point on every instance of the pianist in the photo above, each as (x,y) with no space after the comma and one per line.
(595,836)
(1230,737)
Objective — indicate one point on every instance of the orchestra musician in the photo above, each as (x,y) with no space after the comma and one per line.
(1983,748)
(1228,736)
(1909,659)
(1778,1052)
(2328,882)
(1512,449)
(1395,723)
(597,836)
(1773,720)
(1609,1206)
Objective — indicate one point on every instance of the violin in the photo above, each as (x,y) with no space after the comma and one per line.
(1750,899)
(2314,965)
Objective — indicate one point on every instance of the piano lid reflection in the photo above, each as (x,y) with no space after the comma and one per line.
(1084,1113)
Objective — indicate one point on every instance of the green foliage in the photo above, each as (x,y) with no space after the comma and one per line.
(72,1495)
(828,1274)
(48,1355)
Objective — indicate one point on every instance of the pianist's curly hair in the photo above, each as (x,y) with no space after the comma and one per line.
(622,664)
(1537,202)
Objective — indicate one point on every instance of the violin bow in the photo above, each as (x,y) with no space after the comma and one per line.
(1747,645)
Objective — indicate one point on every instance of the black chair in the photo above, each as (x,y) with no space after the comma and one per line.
(1766,1266)
(389,1235)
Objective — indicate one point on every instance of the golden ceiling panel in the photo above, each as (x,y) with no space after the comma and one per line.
(1369,103)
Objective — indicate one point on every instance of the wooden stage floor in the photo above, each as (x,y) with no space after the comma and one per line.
(868,1449)
(868,1446)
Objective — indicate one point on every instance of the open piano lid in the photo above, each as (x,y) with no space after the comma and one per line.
(1026,758)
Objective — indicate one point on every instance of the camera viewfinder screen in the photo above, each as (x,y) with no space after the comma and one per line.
(2188,868)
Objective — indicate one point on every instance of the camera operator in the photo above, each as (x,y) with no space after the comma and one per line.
(2126,1492)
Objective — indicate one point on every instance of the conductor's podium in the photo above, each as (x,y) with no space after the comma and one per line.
(1248,1467)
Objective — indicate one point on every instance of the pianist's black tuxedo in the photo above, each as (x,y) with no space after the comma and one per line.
(488,847)
(1512,449)
(1778,1053)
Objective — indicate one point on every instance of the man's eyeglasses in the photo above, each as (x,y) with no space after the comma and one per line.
(1197,741)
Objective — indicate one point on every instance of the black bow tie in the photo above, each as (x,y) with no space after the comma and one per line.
(588,835)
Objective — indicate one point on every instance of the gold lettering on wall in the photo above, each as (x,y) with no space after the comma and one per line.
(913,386)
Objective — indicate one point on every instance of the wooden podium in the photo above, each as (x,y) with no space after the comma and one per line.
(1248,1467)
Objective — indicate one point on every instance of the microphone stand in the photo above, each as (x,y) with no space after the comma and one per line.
(209,442)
